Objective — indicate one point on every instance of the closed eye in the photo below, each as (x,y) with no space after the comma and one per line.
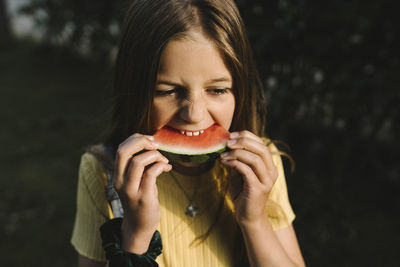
(218,91)
(165,92)
(176,91)
(181,92)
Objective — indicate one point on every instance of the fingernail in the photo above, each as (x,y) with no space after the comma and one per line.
(150,137)
(234,135)
(224,155)
(154,143)
(232,142)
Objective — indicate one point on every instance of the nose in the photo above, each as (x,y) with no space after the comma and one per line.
(193,109)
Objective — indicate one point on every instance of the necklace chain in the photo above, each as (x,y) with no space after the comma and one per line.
(192,209)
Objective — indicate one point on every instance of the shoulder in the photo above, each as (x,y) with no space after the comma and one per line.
(273,149)
(94,165)
(90,164)
(100,154)
(270,144)
(92,183)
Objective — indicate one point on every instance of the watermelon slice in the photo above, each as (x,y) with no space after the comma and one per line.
(186,146)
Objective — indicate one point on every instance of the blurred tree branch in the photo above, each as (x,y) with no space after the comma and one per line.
(328,65)
(90,27)
(5,35)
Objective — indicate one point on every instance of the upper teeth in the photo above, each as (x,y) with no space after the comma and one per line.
(188,133)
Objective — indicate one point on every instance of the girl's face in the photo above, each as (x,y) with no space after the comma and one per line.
(193,87)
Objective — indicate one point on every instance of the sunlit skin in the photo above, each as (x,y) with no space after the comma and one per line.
(193,92)
(193,89)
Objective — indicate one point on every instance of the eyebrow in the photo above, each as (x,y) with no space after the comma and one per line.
(221,79)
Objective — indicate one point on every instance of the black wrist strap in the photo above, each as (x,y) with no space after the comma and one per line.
(111,242)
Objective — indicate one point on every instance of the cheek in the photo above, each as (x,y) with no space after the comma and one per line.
(161,114)
(156,117)
(224,113)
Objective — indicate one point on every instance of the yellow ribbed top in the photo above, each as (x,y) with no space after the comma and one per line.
(222,247)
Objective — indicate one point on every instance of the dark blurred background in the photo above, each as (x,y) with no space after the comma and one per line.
(331,74)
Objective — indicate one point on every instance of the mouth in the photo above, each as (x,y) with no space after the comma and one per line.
(191,133)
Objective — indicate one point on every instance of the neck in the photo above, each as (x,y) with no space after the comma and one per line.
(192,169)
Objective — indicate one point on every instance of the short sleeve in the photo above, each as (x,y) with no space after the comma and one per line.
(92,209)
(279,210)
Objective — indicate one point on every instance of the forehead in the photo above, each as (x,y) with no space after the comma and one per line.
(192,56)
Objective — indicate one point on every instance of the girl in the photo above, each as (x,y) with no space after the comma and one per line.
(186,64)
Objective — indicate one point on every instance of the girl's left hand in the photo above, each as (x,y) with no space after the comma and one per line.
(256,175)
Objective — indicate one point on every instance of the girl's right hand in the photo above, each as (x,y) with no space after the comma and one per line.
(137,166)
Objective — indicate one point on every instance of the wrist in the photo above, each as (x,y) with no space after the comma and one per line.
(260,223)
(111,235)
(134,241)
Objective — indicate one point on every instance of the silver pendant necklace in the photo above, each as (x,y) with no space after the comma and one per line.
(192,210)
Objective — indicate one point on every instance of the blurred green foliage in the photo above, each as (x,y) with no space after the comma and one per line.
(51,107)
(322,61)
(331,71)
(89,26)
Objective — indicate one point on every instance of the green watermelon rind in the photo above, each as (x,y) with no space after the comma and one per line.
(196,158)
(182,150)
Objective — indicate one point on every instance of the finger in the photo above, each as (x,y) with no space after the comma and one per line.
(137,165)
(129,147)
(248,175)
(148,182)
(250,159)
(246,134)
(253,146)
(255,163)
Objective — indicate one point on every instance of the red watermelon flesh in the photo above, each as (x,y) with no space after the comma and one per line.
(212,140)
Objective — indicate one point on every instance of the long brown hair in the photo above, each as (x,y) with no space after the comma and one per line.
(147,28)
